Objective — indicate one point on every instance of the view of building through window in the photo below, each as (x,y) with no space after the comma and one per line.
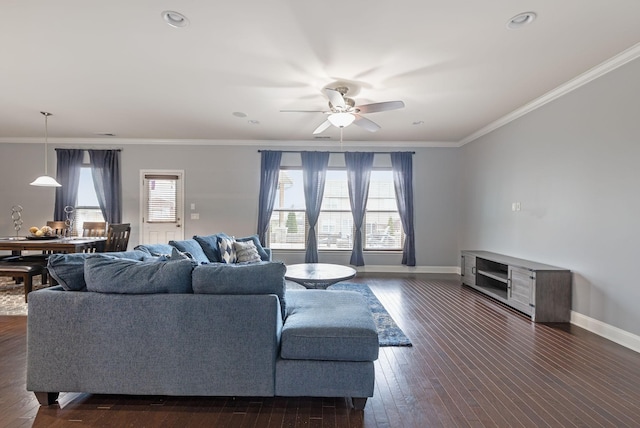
(382,228)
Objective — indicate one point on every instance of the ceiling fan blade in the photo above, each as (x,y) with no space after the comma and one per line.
(302,111)
(376,107)
(365,123)
(335,98)
(323,126)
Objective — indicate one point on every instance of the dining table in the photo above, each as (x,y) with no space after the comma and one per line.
(18,244)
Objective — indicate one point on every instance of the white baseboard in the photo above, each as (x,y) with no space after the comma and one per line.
(615,334)
(407,269)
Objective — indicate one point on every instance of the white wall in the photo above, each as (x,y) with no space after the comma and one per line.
(223,182)
(574,167)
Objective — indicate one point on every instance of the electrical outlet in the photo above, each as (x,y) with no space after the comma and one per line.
(195,216)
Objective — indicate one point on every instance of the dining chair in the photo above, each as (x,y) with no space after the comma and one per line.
(117,237)
(94,229)
(59,228)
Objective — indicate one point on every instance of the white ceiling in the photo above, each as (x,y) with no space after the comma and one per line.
(116,67)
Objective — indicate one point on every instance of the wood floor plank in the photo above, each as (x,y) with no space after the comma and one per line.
(474,363)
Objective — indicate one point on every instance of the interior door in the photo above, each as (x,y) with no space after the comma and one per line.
(162,206)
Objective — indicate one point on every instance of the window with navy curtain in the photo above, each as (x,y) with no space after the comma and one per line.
(358,177)
(269,173)
(402,164)
(69,164)
(105,167)
(314,172)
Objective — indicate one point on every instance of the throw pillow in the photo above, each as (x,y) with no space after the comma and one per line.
(68,269)
(254,278)
(104,274)
(227,250)
(192,247)
(246,252)
(180,255)
(156,250)
(256,241)
(209,245)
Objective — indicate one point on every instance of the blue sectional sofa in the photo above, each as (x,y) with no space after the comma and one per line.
(132,323)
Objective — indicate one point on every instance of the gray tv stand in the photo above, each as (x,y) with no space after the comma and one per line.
(540,291)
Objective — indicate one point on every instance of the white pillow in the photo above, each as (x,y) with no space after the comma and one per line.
(246,252)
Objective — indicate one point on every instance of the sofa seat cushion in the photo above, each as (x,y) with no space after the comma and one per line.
(328,325)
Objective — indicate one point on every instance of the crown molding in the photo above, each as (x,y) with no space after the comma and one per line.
(611,64)
(115,141)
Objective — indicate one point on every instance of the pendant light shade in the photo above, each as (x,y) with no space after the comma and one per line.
(45,180)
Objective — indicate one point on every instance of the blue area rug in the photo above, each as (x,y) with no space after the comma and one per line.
(389,334)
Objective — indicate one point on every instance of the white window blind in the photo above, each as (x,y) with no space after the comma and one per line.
(162,196)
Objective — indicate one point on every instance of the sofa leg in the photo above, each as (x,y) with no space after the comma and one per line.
(46,398)
(358,402)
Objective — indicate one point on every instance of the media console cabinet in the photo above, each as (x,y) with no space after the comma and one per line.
(538,290)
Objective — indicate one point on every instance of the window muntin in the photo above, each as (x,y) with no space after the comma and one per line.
(382,229)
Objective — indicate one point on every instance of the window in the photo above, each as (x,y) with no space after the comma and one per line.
(161,198)
(87,206)
(382,229)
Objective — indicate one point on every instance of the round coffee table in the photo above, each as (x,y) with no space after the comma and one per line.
(318,275)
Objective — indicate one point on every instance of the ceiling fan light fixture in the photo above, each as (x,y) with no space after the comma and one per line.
(341,120)
(45,180)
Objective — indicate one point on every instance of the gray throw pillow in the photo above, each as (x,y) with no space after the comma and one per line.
(246,252)
(192,247)
(256,241)
(68,269)
(155,249)
(104,274)
(254,278)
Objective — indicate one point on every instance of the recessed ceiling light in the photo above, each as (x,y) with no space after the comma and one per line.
(239,114)
(175,19)
(253,122)
(418,122)
(521,19)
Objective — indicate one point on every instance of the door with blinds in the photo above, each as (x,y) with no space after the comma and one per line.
(162,200)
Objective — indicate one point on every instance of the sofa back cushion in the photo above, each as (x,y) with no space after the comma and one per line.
(68,269)
(254,278)
(192,247)
(105,274)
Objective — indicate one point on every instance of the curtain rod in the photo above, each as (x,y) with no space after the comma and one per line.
(75,148)
(300,151)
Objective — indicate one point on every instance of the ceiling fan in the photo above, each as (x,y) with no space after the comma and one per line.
(343,111)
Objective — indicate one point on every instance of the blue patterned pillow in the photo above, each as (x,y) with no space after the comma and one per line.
(227,250)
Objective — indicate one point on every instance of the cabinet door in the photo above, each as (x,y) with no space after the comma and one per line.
(521,290)
(468,269)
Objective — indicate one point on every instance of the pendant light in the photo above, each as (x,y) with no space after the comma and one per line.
(45,180)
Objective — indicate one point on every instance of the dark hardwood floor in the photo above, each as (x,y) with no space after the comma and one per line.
(474,363)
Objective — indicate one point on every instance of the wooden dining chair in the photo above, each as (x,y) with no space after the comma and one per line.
(59,228)
(94,229)
(117,237)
